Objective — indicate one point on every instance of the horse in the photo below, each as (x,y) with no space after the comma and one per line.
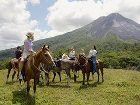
(46,69)
(87,68)
(13,65)
(31,66)
(63,64)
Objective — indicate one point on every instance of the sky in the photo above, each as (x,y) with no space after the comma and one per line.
(49,18)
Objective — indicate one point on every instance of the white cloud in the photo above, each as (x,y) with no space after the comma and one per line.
(67,15)
(15,22)
(63,16)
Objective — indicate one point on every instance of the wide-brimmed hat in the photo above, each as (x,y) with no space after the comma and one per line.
(30,34)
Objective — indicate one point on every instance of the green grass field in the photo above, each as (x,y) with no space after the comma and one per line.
(121,87)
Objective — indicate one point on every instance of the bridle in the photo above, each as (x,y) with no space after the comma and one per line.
(43,56)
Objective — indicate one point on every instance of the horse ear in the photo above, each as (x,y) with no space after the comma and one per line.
(48,46)
(43,47)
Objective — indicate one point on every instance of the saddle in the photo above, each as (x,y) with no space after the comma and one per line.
(57,63)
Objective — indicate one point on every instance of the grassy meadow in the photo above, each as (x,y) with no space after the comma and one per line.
(121,87)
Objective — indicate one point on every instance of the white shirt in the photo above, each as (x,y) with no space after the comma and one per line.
(65,56)
(27,48)
(92,53)
(72,54)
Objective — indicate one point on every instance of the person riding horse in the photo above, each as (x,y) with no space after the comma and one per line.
(72,54)
(28,43)
(14,63)
(92,56)
(18,52)
(15,60)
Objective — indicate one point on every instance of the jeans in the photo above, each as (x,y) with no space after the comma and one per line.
(93,58)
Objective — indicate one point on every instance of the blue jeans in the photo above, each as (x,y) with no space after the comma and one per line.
(93,58)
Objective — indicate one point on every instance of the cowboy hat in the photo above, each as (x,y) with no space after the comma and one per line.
(29,34)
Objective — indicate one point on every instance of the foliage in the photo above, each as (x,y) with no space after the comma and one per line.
(4,63)
(115,52)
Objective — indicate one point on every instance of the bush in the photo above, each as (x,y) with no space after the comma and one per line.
(4,64)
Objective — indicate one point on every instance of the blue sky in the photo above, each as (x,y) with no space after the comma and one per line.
(39,12)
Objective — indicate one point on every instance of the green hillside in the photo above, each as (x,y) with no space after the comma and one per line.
(121,87)
(115,52)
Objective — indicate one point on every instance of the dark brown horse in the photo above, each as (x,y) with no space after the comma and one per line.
(13,65)
(31,67)
(86,68)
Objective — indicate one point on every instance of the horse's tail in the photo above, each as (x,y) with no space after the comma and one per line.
(9,65)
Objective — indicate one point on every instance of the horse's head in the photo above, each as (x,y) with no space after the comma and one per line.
(82,59)
(46,56)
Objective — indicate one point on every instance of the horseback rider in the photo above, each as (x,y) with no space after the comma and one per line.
(82,52)
(15,60)
(18,52)
(65,57)
(28,43)
(92,56)
(72,54)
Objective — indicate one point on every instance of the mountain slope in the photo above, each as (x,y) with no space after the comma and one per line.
(113,30)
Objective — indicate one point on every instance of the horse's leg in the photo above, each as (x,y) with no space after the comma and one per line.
(88,74)
(47,78)
(28,86)
(9,70)
(102,73)
(34,87)
(13,75)
(68,77)
(59,75)
(54,74)
(83,78)
(98,73)
(75,76)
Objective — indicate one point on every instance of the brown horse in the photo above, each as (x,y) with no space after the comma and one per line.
(13,65)
(86,68)
(65,65)
(46,69)
(31,66)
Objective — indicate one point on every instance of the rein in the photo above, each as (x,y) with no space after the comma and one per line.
(45,57)
(41,65)
(35,65)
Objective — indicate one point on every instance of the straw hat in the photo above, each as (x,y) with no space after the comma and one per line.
(30,34)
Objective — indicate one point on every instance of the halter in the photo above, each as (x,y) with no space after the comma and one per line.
(45,57)
(36,66)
